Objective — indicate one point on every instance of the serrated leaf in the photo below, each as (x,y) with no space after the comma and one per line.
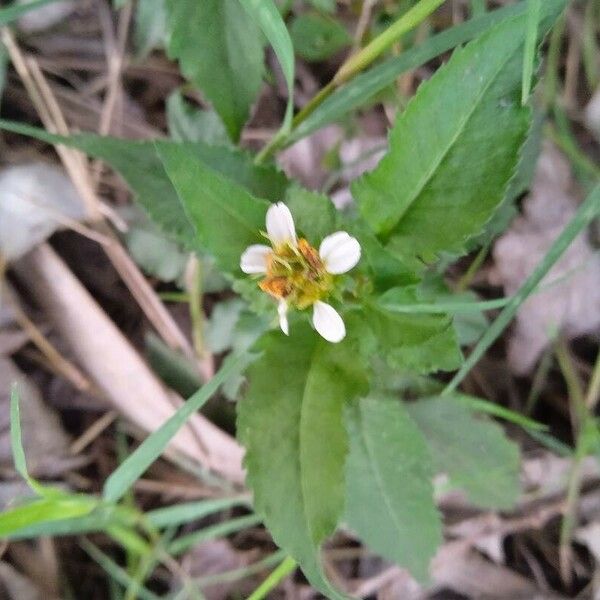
(389,497)
(472,450)
(423,343)
(453,151)
(226,218)
(292,428)
(140,166)
(314,214)
(317,37)
(363,89)
(220,50)
(190,124)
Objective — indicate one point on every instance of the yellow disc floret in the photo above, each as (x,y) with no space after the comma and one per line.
(296,274)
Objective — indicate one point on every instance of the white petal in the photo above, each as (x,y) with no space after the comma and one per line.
(283,320)
(328,322)
(339,252)
(280,224)
(254,259)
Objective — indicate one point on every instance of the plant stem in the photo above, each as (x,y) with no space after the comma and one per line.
(593,392)
(362,59)
(273,580)
(352,67)
(465,281)
(585,434)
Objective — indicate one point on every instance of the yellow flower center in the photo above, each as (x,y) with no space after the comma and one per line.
(297,275)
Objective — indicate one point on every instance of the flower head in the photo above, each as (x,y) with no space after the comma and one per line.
(297,275)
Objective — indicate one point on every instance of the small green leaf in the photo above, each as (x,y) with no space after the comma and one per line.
(389,497)
(473,451)
(150,28)
(324,5)
(226,218)
(155,253)
(12,13)
(421,342)
(44,510)
(268,18)
(220,50)
(314,214)
(453,151)
(292,428)
(317,37)
(97,519)
(190,124)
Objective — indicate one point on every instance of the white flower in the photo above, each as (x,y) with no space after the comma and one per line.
(338,253)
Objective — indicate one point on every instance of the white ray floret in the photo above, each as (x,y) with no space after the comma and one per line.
(280,224)
(339,252)
(283,320)
(328,322)
(255,258)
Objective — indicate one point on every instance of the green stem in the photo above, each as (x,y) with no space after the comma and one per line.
(274,579)
(362,59)
(352,67)
(467,278)
(593,392)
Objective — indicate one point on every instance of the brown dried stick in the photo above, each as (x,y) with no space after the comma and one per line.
(76,165)
(123,376)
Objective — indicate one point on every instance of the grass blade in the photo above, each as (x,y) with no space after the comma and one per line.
(154,445)
(185,542)
(190,511)
(114,570)
(582,218)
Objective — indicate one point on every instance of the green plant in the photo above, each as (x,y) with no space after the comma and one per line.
(334,440)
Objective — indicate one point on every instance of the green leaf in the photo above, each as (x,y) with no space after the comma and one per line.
(296,444)
(423,343)
(190,124)
(150,28)
(314,214)
(155,253)
(324,5)
(472,451)
(43,511)
(12,13)
(140,166)
(389,489)
(363,89)
(453,151)
(221,328)
(153,446)
(220,50)
(268,18)
(97,519)
(317,37)
(226,218)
